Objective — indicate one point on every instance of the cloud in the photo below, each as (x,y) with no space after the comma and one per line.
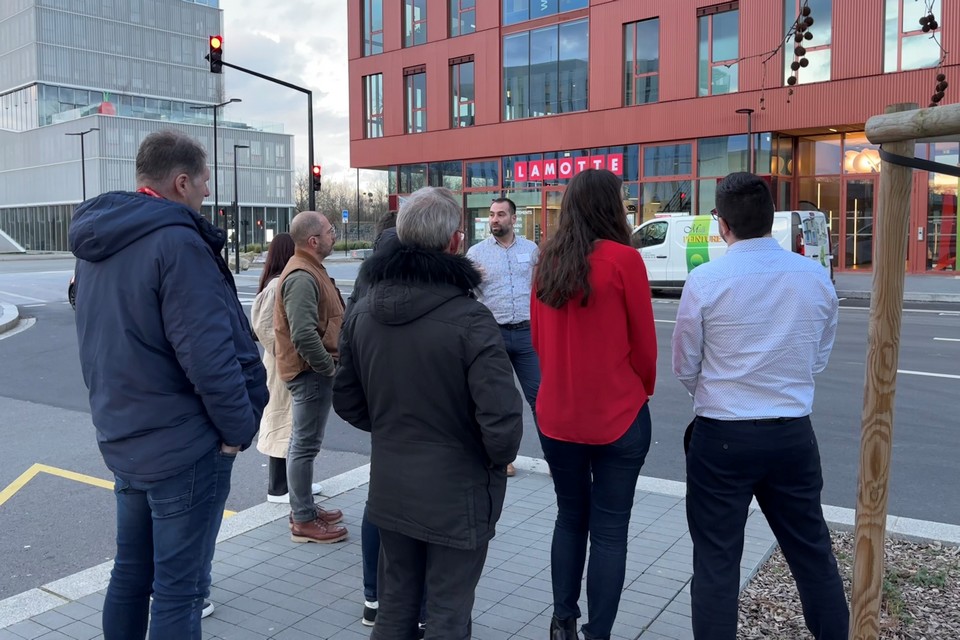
(302,42)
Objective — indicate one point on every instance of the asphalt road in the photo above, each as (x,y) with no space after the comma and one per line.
(54,526)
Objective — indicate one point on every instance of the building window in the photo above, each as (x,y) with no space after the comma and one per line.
(641,53)
(462,91)
(463,17)
(373,105)
(906,46)
(667,180)
(719,30)
(817,49)
(372,27)
(414,22)
(415,80)
(515,11)
(545,71)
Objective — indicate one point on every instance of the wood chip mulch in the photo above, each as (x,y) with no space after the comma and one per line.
(921,594)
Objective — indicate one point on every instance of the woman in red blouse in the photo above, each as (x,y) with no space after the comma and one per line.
(592,327)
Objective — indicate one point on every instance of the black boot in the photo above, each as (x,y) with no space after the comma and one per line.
(563,629)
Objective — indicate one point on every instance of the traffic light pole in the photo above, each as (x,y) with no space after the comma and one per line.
(311,193)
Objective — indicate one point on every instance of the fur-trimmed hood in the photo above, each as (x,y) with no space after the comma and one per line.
(407,283)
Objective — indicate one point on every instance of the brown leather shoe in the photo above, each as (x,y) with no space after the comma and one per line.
(330,516)
(511,471)
(317,531)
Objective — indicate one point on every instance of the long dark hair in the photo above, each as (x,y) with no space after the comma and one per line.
(280,252)
(592,209)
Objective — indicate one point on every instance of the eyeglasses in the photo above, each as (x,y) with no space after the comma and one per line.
(715,215)
(331,232)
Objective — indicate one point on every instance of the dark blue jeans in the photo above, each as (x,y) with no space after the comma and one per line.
(370,559)
(166,536)
(595,486)
(730,462)
(525,362)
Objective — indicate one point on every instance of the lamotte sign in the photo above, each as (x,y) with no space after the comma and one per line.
(565,168)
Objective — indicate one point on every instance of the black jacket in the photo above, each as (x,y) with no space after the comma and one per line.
(165,347)
(424,369)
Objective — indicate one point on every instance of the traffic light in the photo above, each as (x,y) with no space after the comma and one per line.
(216,54)
(316,177)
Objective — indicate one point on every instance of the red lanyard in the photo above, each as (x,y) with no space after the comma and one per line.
(150,192)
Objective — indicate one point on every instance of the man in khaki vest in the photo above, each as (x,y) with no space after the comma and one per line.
(307,319)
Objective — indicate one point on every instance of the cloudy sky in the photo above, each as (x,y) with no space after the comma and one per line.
(303,42)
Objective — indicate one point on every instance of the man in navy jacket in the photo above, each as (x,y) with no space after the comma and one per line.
(176,382)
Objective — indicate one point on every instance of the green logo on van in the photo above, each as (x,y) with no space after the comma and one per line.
(698,242)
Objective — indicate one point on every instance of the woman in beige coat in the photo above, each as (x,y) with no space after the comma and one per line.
(277,420)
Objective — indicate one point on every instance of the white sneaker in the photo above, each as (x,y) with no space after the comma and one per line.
(207,609)
(285,498)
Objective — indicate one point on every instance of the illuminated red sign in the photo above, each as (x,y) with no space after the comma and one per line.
(565,168)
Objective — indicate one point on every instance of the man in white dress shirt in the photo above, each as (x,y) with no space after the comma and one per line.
(753,328)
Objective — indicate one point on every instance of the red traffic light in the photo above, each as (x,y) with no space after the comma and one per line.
(316,169)
(216,42)
(216,54)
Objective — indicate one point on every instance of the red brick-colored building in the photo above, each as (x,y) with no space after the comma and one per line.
(492,97)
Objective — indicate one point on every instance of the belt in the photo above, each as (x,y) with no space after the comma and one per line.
(516,326)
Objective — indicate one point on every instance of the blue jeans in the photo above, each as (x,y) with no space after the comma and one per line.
(595,486)
(525,362)
(370,559)
(312,396)
(166,536)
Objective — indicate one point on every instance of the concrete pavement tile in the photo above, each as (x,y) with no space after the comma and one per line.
(8,635)
(28,629)
(52,619)
(54,635)
(79,630)
(348,634)
(669,631)
(506,626)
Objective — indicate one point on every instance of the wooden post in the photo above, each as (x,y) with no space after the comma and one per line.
(883,350)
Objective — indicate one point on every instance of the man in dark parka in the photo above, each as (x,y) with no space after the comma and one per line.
(423,368)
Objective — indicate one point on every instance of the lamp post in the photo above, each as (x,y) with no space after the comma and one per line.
(236,207)
(751,163)
(216,184)
(83,158)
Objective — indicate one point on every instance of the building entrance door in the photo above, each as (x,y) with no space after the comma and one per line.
(856,250)
(550,218)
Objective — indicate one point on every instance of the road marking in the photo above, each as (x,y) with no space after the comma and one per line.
(948,339)
(666,321)
(928,374)
(17,295)
(31,306)
(35,469)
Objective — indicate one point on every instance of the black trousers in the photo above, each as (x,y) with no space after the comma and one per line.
(408,566)
(778,461)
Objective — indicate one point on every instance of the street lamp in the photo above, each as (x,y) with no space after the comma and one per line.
(216,194)
(751,163)
(83,158)
(236,207)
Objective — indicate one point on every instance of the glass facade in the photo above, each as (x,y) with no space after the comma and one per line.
(373,105)
(641,62)
(372,27)
(462,94)
(941,242)
(719,49)
(414,22)
(905,45)
(545,71)
(463,17)
(515,11)
(817,48)
(416,112)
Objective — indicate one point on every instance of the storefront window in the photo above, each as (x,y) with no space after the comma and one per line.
(819,155)
(483,174)
(631,159)
(942,211)
(446,174)
(509,164)
(859,155)
(668,160)
(665,197)
(412,177)
(823,194)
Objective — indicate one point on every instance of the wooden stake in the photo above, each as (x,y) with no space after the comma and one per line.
(883,350)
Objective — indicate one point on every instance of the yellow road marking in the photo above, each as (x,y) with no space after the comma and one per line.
(11,489)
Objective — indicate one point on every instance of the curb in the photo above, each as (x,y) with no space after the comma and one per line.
(907,296)
(9,317)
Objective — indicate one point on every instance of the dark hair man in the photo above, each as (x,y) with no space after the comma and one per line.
(753,328)
(506,262)
(306,320)
(423,368)
(175,379)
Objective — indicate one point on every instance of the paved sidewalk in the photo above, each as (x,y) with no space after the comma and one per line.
(266,586)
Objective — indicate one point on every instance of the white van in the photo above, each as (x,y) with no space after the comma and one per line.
(671,246)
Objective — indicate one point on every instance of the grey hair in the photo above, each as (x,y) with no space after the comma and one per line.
(304,225)
(163,154)
(429,218)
